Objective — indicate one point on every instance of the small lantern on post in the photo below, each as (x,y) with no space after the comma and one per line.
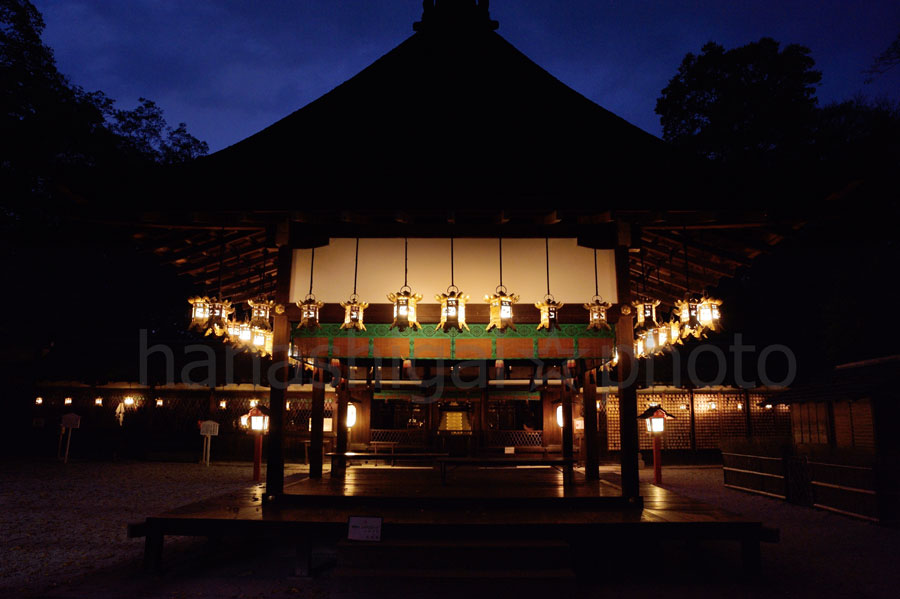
(257,423)
(656,418)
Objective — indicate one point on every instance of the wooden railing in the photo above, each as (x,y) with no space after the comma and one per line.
(514,438)
(403,437)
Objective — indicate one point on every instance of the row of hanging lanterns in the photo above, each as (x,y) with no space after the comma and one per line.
(692,317)
(216,316)
(453,302)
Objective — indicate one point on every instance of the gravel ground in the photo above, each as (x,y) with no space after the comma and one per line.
(62,535)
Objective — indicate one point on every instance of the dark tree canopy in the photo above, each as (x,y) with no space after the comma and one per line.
(53,130)
(754,103)
(884,61)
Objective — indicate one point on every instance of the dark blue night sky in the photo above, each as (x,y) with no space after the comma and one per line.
(230,68)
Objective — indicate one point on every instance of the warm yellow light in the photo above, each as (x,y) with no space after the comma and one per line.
(222,405)
(98,401)
(597,314)
(656,424)
(259,423)
(405,308)
(68,401)
(712,405)
(351,415)
(309,312)
(38,401)
(549,313)
(353,313)
(768,406)
(501,312)
(159,403)
(245,421)
(129,401)
(559,415)
(740,406)
(287,405)
(683,406)
(254,403)
(453,310)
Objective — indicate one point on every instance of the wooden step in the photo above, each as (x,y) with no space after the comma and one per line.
(456,573)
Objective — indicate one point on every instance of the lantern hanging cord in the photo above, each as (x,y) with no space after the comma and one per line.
(312,267)
(643,274)
(221,258)
(547,254)
(596,278)
(405,261)
(452,284)
(355,265)
(687,270)
(500,240)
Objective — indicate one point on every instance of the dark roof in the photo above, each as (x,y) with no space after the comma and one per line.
(847,382)
(454,114)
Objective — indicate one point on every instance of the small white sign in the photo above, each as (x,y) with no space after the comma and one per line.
(364,529)
(210,428)
(71,420)
(579,424)
(509,450)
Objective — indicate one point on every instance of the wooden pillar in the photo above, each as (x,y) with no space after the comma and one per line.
(340,463)
(568,436)
(748,420)
(627,375)
(317,422)
(281,342)
(591,446)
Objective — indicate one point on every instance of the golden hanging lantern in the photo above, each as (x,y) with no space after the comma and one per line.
(199,312)
(218,322)
(353,313)
(501,309)
(708,313)
(453,310)
(597,319)
(309,312)
(260,314)
(549,312)
(688,312)
(405,308)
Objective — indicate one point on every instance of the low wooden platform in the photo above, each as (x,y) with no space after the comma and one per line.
(483,503)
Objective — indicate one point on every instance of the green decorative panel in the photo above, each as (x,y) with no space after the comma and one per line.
(568,333)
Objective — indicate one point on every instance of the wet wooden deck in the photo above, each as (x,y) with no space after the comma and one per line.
(477,503)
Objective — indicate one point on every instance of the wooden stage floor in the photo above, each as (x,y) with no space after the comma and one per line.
(475,503)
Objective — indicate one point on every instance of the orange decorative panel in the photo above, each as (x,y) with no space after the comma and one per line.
(515,348)
(351,347)
(473,349)
(432,348)
(386,347)
(594,347)
(556,347)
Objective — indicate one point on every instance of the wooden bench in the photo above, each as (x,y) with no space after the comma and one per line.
(402,456)
(564,464)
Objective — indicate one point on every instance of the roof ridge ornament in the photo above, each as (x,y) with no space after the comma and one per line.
(447,15)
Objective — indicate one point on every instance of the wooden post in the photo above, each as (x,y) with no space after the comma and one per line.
(568,436)
(278,388)
(339,464)
(747,415)
(317,421)
(627,378)
(693,417)
(592,453)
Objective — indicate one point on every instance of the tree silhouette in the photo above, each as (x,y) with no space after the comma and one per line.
(884,61)
(752,104)
(53,128)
